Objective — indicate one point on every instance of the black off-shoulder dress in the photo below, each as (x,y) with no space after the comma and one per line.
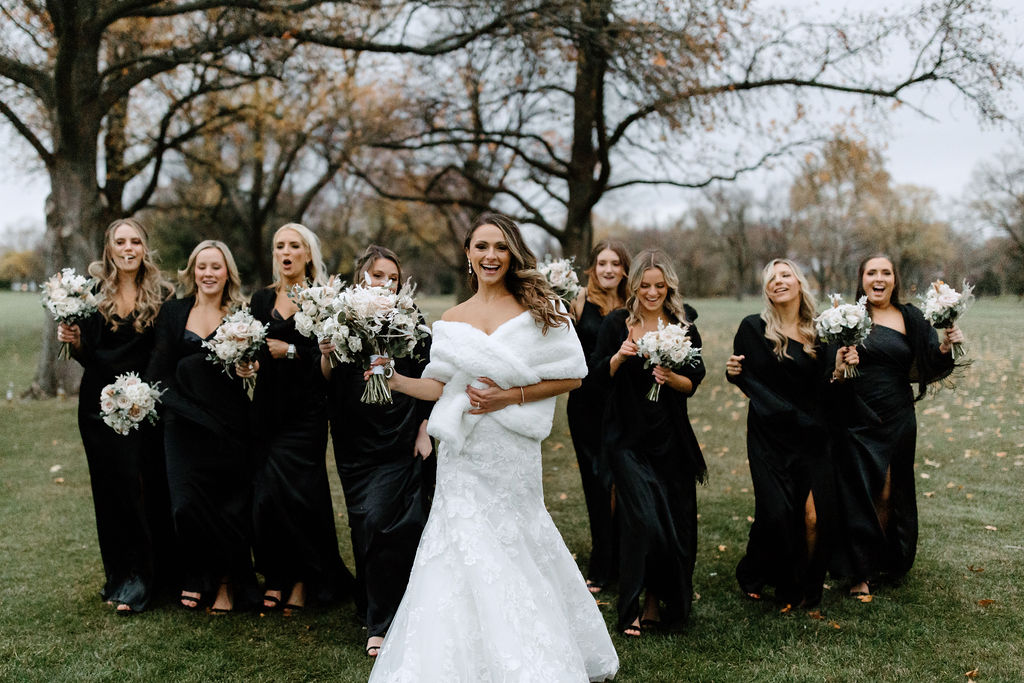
(129,482)
(584,410)
(207,430)
(295,537)
(789,452)
(880,436)
(384,484)
(655,461)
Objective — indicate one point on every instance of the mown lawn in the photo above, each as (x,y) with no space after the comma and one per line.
(959,611)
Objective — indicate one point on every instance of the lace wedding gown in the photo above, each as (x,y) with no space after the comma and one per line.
(494,594)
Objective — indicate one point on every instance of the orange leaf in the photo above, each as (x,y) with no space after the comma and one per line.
(985,603)
(865,598)
(834,624)
(816,615)
(557,446)
(721,548)
(972,674)
(974,569)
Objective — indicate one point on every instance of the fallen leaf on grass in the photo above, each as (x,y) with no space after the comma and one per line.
(721,548)
(925,475)
(56,468)
(816,615)
(557,446)
(865,598)
(786,610)
(58,480)
(972,674)
(750,519)
(834,624)
(974,569)
(563,496)
(985,602)
(929,494)
(991,528)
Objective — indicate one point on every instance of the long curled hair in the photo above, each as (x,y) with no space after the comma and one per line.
(644,261)
(523,280)
(773,323)
(605,301)
(152,289)
(895,297)
(315,270)
(231,297)
(369,257)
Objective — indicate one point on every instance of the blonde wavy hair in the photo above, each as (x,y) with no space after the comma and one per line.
(605,301)
(523,280)
(773,323)
(315,269)
(644,261)
(232,294)
(152,289)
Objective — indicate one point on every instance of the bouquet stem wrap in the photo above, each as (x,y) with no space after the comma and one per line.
(377,391)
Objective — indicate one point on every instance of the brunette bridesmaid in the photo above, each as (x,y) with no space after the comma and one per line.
(295,543)
(381,452)
(605,292)
(206,435)
(653,453)
(129,483)
(779,365)
(875,457)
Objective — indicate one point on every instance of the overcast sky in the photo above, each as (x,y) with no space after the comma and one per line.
(938,153)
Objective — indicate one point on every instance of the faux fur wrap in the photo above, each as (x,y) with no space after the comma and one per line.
(515,354)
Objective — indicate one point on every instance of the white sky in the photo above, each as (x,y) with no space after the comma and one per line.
(939,154)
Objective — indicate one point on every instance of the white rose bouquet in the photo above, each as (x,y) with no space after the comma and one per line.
(943,305)
(563,279)
(69,298)
(844,324)
(670,347)
(237,340)
(318,317)
(127,402)
(373,322)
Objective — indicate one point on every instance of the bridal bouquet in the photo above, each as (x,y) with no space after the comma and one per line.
(844,324)
(943,305)
(237,340)
(318,317)
(374,322)
(669,347)
(561,277)
(69,298)
(127,402)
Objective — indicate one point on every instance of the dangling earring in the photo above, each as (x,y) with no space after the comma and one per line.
(469,266)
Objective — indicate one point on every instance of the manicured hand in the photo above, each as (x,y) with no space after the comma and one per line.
(277,348)
(734,366)
(489,399)
(71,334)
(246,370)
(953,335)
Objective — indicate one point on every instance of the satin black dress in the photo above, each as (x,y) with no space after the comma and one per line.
(293,517)
(384,484)
(655,461)
(207,441)
(880,437)
(789,452)
(129,482)
(584,410)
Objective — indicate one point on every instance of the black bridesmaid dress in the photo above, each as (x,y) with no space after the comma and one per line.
(789,452)
(207,428)
(655,461)
(383,482)
(584,410)
(295,536)
(881,436)
(129,482)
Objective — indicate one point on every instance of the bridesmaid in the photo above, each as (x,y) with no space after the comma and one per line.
(605,291)
(129,484)
(875,457)
(206,435)
(381,453)
(778,364)
(295,541)
(654,455)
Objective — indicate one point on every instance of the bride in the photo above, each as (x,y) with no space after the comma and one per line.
(494,594)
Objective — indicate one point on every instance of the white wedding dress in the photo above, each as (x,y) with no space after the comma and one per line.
(494,594)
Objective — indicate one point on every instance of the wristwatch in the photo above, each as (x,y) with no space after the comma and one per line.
(291,351)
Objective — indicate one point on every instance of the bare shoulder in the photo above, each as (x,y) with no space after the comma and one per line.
(456,313)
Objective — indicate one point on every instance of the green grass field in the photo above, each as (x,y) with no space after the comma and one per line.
(959,611)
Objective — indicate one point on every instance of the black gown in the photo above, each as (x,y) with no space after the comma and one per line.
(129,482)
(584,410)
(383,484)
(880,435)
(789,452)
(207,442)
(293,517)
(655,461)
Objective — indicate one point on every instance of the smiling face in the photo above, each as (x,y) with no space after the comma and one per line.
(211,272)
(652,290)
(609,270)
(383,272)
(127,248)
(878,281)
(488,254)
(291,255)
(783,286)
